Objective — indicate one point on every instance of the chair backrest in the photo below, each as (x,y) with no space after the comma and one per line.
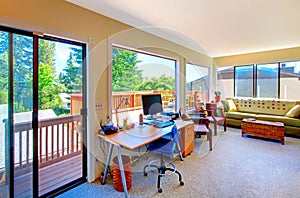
(174,134)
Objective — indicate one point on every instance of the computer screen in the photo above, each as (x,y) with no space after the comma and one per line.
(152,104)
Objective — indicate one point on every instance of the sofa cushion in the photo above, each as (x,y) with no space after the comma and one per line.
(239,115)
(225,105)
(286,120)
(294,112)
(232,106)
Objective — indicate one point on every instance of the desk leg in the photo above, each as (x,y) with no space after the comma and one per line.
(107,163)
(122,171)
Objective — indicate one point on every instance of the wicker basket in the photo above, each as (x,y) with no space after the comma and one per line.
(117,179)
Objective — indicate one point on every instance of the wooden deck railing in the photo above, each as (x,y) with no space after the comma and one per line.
(58,139)
(136,101)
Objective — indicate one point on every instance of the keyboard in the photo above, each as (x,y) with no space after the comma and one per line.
(164,124)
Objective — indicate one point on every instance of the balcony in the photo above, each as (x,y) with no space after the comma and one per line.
(59,154)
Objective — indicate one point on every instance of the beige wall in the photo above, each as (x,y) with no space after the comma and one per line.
(272,56)
(62,19)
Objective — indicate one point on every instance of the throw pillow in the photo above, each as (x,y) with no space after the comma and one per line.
(294,112)
(225,105)
(232,107)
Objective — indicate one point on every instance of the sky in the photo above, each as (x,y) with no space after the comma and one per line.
(62,52)
(155,66)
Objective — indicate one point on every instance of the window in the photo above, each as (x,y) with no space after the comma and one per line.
(225,81)
(197,80)
(290,80)
(267,81)
(136,73)
(274,80)
(243,81)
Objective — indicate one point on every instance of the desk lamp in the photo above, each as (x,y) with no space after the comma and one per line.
(125,102)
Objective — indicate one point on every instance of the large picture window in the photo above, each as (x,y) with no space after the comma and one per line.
(225,81)
(290,80)
(243,76)
(197,80)
(135,74)
(267,81)
(274,80)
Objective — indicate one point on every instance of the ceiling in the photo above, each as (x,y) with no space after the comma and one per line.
(213,27)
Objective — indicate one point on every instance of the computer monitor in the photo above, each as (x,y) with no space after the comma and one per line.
(152,104)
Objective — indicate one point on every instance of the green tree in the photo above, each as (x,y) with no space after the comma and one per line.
(23,71)
(162,83)
(3,67)
(125,75)
(49,88)
(77,54)
(72,76)
(47,53)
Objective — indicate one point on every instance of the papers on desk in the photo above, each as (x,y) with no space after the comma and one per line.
(146,131)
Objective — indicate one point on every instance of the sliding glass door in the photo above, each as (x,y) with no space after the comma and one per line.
(60,100)
(4,100)
(42,102)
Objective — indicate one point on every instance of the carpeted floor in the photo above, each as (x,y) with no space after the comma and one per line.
(237,167)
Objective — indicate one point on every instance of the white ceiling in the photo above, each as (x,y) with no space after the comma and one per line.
(213,27)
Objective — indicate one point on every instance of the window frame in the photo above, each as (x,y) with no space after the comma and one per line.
(208,81)
(112,44)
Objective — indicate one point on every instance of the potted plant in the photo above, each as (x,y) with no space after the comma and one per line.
(217,96)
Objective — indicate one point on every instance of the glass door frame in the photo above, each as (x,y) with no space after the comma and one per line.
(10,143)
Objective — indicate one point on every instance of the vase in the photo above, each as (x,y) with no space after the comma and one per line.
(217,98)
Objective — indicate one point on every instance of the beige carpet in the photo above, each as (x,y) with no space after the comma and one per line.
(237,167)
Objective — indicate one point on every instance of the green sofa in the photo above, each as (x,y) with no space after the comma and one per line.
(286,111)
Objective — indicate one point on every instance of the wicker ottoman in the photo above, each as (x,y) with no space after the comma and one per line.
(266,129)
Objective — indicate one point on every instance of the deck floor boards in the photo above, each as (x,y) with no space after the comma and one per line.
(50,177)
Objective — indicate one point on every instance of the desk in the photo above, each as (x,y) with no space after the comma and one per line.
(133,139)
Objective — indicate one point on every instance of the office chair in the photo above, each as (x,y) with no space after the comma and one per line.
(165,146)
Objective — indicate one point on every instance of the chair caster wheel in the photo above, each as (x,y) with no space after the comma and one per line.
(145,174)
(160,190)
(103,183)
(181,183)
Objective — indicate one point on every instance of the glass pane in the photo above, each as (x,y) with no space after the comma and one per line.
(267,81)
(135,74)
(197,81)
(4,136)
(225,81)
(23,134)
(244,81)
(60,102)
(290,80)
